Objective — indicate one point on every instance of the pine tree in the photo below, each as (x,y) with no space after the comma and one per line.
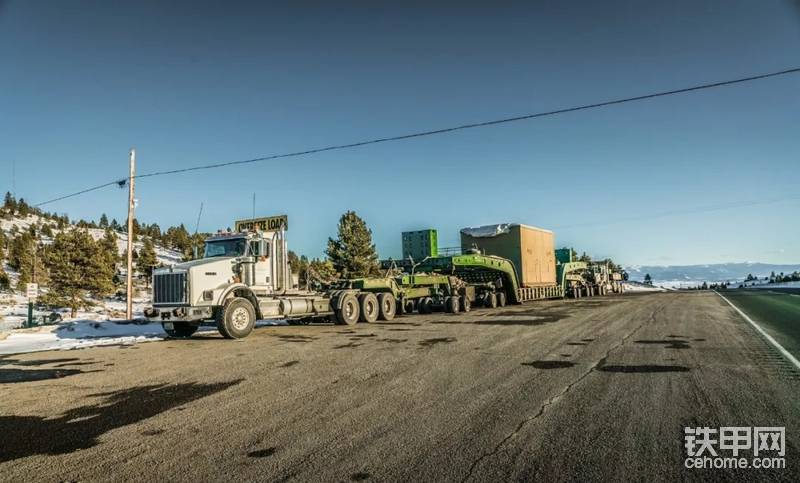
(20,257)
(198,244)
(114,225)
(110,252)
(109,247)
(103,221)
(5,281)
(294,262)
(47,230)
(77,269)
(647,279)
(353,253)
(10,203)
(147,260)
(320,272)
(178,238)
(22,208)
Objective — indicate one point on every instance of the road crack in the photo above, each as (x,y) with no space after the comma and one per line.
(552,400)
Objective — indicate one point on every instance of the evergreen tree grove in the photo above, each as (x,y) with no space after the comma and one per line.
(78,268)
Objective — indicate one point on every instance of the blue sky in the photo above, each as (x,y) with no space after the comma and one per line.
(197,83)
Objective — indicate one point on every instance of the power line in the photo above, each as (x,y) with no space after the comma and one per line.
(121,183)
(402,137)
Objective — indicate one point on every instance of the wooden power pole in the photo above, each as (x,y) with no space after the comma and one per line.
(129,307)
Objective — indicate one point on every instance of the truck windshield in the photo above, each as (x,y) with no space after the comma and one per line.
(234,247)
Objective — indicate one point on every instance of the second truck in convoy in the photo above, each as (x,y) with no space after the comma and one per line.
(244,276)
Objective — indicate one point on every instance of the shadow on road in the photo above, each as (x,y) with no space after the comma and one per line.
(80,428)
(61,369)
(437,340)
(667,343)
(549,364)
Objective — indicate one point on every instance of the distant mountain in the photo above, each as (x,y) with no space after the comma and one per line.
(718,272)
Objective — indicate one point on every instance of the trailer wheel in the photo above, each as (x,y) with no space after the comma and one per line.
(451,304)
(501,299)
(181,330)
(387,306)
(491,301)
(236,319)
(348,313)
(368,303)
(425,305)
(409,307)
(466,305)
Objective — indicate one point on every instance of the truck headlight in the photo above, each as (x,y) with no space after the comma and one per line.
(208,295)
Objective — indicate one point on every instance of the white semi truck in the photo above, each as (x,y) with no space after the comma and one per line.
(244,276)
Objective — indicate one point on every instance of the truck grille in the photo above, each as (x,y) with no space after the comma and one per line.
(169,288)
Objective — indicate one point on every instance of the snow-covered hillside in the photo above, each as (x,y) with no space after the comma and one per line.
(13,305)
(165,256)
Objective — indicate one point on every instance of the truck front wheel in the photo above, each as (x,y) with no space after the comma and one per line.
(236,319)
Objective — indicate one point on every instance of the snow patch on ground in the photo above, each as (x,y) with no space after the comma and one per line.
(80,334)
(639,287)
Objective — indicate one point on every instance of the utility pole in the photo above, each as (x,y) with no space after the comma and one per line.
(30,299)
(254,204)
(129,308)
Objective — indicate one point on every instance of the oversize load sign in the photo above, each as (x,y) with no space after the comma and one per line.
(271,223)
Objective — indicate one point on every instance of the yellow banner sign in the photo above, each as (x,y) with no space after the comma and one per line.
(270,223)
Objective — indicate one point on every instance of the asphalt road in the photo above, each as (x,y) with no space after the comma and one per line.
(595,389)
(776,310)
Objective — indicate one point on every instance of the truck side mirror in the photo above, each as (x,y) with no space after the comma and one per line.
(263,248)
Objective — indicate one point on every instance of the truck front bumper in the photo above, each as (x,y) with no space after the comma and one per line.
(178,314)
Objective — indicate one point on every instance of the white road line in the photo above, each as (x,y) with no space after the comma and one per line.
(769,338)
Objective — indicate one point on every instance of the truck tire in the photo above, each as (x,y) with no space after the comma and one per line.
(466,305)
(368,303)
(236,319)
(501,299)
(425,305)
(349,312)
(387,306)
(491,301)
(451,304)
(409,307)
(181,330)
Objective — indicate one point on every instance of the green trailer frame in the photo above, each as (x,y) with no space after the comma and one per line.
(496,272)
